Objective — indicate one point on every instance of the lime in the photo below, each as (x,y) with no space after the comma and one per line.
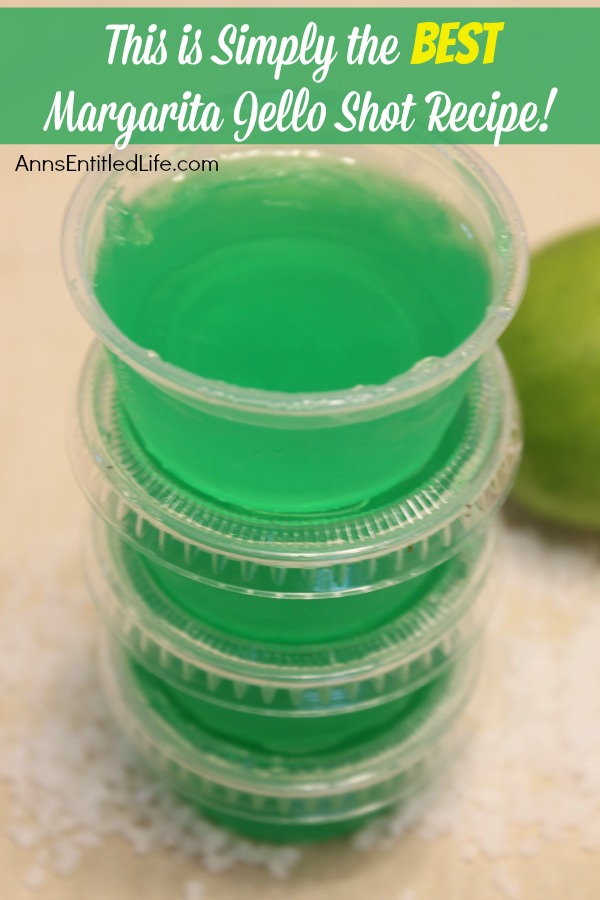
(553,349)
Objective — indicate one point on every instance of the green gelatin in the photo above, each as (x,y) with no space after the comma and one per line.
(294,275)
(288,798)
(282,698)
(294,735)
(316,618)
(310,278)
(288,620)
(288,735)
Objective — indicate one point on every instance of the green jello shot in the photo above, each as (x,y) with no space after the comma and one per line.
(295,580)
(288,798)
(292,699)
(292,735)
(296,332)
(288,619)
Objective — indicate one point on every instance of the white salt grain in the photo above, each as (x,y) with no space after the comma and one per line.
(36,878)
(193,890)
(505,884)
(66,857)
(286,860)
(23,835)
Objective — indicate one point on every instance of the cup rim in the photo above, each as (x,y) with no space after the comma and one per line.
(404,390)
(412,532)
(455,607)
(221,760)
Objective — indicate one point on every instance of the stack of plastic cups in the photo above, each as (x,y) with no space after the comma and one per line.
(294,672)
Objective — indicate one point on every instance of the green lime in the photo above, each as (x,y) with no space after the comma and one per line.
(553,349)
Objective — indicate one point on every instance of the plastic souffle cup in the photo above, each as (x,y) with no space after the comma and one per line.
(294,579)
(302,699)
(288,798)
(300,451)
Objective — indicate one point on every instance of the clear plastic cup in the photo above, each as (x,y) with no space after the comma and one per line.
(293,798)
(304,452)
(296,579)
(302,699)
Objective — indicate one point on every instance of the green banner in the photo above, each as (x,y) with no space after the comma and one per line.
(300,75)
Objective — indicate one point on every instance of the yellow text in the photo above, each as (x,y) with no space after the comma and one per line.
(448,42)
